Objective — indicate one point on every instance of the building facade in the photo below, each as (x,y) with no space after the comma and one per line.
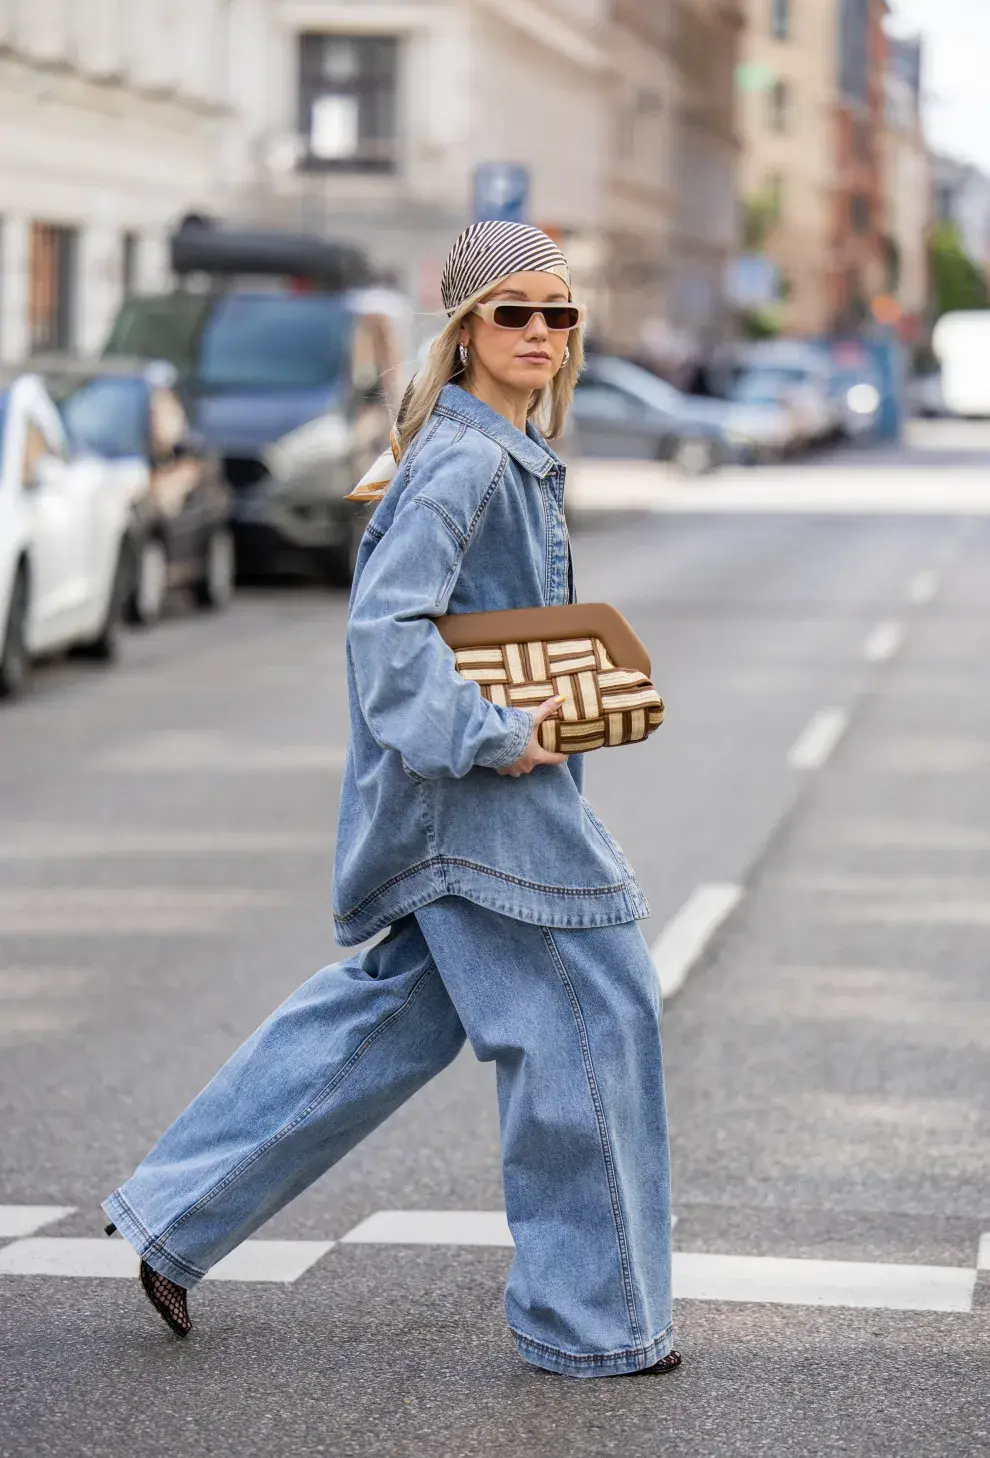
(111,117)
(619,112)
(961,196)
(860,264)
(608,122)
(789,155)
(907,176)
(813,117)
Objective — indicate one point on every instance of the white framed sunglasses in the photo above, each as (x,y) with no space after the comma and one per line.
(559,318)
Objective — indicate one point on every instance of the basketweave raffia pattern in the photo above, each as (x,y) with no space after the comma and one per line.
(603,705)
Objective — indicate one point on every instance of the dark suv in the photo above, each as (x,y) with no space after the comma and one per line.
(287,381)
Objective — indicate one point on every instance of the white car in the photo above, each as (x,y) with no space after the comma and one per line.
(65,554)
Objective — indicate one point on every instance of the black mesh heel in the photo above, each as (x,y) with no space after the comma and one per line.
(666,1364)
(168,1299)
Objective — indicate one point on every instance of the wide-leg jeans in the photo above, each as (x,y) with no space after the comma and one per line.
(571,1018)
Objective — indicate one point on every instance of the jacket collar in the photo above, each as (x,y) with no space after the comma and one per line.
(530,450)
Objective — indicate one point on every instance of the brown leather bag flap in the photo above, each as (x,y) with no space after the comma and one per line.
(546,624)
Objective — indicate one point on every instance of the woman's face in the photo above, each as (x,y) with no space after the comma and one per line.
(519,359)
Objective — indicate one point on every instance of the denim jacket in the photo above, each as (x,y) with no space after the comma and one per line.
(473,521)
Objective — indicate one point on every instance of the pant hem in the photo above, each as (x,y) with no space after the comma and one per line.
(148,1248)
(600,1364)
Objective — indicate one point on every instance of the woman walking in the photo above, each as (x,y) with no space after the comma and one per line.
(511,913)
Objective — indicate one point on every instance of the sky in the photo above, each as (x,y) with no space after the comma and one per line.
(956,74)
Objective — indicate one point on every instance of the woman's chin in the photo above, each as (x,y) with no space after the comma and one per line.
(532,376)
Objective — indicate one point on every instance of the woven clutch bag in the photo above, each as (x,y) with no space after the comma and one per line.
(586,651)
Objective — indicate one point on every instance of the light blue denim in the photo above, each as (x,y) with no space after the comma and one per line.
(472,522)
(571,1019)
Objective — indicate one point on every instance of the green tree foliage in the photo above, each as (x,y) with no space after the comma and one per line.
(957,281)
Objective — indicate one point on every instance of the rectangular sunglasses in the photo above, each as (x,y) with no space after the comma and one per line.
(557,317)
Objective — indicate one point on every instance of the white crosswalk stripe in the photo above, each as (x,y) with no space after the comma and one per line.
(698,1275)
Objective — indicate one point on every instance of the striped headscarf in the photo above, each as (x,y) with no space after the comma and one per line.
(487,252)
(481,256)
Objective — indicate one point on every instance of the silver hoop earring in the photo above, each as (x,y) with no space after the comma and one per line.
(464,355)
(567,354)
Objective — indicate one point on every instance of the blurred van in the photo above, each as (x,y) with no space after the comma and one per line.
(961,342)
(288,364)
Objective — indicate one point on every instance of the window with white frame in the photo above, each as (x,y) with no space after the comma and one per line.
(348,101)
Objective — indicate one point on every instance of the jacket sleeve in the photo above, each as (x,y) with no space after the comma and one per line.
(412,698)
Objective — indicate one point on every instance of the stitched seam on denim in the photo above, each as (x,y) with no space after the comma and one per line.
(374,531)
(345,916)
(590,1359)
(414,450)
(513,747)
(608,890)
(448,521)
(548,555)
(493,486)
(154,1245)
(613,1186)
(311,1108)
(450,414)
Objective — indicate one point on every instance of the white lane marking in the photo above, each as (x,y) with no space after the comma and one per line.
(686,935)
(923,587)
(183,753)
(45,843)
(606,485)
(431,1227)
(883,642)
(128,911)
(699,1277)
(282,1261)
(818,739)
(983,1254)
(910,835)
(270,1260)
(16,1220)
(435,1227)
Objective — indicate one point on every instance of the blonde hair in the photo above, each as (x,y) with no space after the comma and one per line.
(548,408)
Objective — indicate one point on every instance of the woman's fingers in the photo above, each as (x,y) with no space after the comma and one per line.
(548,708)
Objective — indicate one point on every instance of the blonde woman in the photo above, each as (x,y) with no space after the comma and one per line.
(510,912)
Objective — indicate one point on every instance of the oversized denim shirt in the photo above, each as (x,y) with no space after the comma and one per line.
(472,522)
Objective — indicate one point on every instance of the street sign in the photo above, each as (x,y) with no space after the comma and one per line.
(501,192)
(752,281)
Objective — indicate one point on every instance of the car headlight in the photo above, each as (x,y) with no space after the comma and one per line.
(325,438)
(863,399)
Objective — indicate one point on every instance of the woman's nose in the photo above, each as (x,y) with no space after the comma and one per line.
(537,327)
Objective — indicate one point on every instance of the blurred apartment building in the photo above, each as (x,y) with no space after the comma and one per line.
(813,125)
(111,113)
(962,198)
(375,118)
(368,121)
(907,176)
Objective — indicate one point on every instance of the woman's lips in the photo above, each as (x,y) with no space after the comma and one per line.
(535,358)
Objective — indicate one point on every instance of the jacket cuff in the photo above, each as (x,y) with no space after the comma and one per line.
(520,732)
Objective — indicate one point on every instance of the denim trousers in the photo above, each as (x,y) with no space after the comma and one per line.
(571,1018)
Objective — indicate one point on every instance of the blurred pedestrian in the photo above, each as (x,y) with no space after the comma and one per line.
(511,912)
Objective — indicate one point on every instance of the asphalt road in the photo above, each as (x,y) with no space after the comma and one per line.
(165,853)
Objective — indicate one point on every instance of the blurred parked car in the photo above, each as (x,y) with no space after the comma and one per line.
(621,410)
(925,397)
(132,416)
(289,383)
(855,393)
(66,557)
(796,375)
(745,433)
